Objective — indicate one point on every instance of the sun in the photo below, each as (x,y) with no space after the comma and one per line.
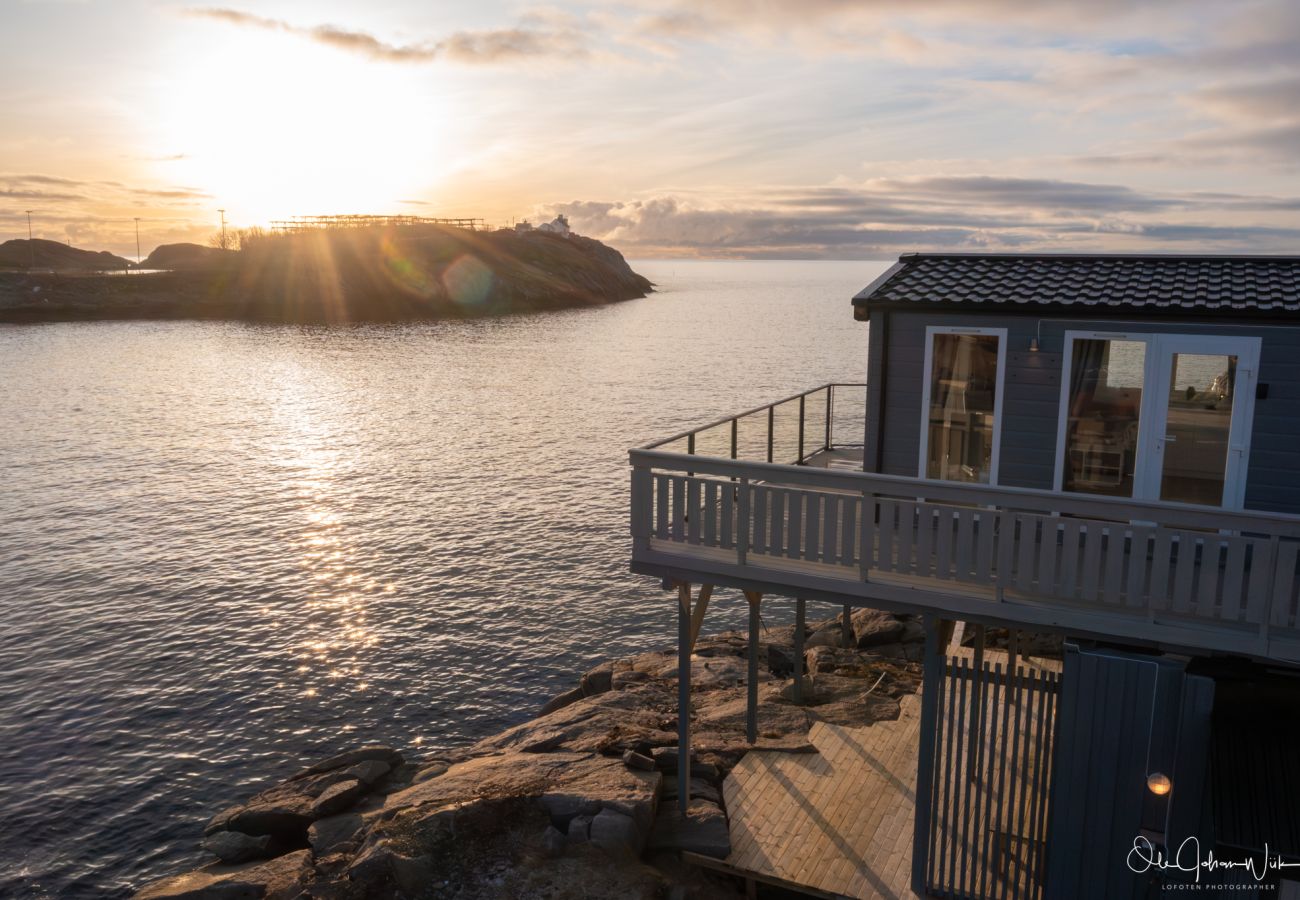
(273,127)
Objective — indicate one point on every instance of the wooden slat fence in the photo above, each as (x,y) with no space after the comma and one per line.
(992,777)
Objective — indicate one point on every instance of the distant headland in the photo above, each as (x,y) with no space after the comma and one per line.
(358,269)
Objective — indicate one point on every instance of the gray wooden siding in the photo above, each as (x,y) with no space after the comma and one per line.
(1121,716)
(1031,399)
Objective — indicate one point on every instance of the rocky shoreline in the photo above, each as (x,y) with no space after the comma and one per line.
(577,802)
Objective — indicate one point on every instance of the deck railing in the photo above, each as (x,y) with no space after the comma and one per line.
(1183,575)
(787,431)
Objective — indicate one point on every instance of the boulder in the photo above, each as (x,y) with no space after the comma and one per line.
(623,680)
(702,830)
(598,680)
(327,835)
(352,757)
(338,797)
(580,829)
(617,833)
(276,879)
(368,771)
(634,760)
(553,842)
(380,870)
(561,701)
(872,627)
(610,721)
(237,847)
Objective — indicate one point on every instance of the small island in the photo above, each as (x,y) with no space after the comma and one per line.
(371,270)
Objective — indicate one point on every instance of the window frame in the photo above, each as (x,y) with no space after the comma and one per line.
(999,388)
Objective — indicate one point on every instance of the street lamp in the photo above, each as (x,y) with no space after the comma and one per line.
(31,247)
(223,228)
(137,242)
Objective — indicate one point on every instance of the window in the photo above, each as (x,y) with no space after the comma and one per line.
(962,404)
(1102,416)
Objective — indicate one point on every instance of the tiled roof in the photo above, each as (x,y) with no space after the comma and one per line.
(1199,283)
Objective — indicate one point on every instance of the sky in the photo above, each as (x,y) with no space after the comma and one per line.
(726,128)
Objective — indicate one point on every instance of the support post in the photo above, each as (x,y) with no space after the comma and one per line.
(683,697)
(697,615)
(800,626)
(846,626)
(931,685)
(751,704)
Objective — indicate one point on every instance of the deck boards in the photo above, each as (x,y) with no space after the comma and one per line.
(839,820)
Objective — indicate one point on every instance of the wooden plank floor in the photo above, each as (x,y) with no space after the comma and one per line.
(839,820)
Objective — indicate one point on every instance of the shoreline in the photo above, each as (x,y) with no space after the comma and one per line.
(580,794)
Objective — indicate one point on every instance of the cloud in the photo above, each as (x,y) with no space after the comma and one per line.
(471,47)
(886,216)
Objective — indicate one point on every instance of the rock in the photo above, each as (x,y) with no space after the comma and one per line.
(809,690)
(598,680)
(338,797)
(326,835)
(553,841)
(702,830)
(890,651)
(432,770)
(580,829)
(701,789)
(634,760)
(561,701)
(369,771)
(381,871)
(617,719)
(352,757)
(780,660)
(826,636)
(872,627)
(617,833)
(277,879)
(236,847)
(622,680)
(715,673)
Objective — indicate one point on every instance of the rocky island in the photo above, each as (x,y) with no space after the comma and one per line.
(330,276)
(577,802)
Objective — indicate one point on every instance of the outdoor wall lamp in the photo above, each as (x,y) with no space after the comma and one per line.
(1159,784)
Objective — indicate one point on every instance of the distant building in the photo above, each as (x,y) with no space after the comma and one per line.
(523,226)
(560,226)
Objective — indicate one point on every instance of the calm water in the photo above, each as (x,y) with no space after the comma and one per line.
(225,548)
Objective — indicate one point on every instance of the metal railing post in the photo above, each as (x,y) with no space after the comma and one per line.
(735,428)
(771,427)
(830,390)
(742,527)
(802,398)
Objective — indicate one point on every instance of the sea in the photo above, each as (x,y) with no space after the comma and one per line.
(228,550)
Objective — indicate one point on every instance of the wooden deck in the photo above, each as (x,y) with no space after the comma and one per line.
(838,821)
(1169,575)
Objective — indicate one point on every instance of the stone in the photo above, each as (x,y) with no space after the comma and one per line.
(598,680)
(276,879)
(634,760)
(617,833)
(368,771)
(352,757)
(338,797)
(701,789)
(236,847)
(553,842)
(872,627)
(809,690)
(561,701)
(780,661)
(826,636)
(580,829)
(702,830)
(720,672)
(432,770)
(616,719)
(380,870)
(622,680)
(326,835)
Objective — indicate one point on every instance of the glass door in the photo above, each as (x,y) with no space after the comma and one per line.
(1203,405)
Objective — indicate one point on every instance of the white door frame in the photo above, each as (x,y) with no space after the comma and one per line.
(998,390)
(1153,415)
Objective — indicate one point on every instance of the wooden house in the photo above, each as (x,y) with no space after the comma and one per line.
(1104,449)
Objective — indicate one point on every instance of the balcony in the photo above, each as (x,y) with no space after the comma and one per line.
(774,500)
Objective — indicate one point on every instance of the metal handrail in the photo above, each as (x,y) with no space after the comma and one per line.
(826,444)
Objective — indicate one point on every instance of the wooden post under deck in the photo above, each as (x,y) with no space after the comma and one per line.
(751,705)
(697,615)
(935,633)
(800,626)
(683,697)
